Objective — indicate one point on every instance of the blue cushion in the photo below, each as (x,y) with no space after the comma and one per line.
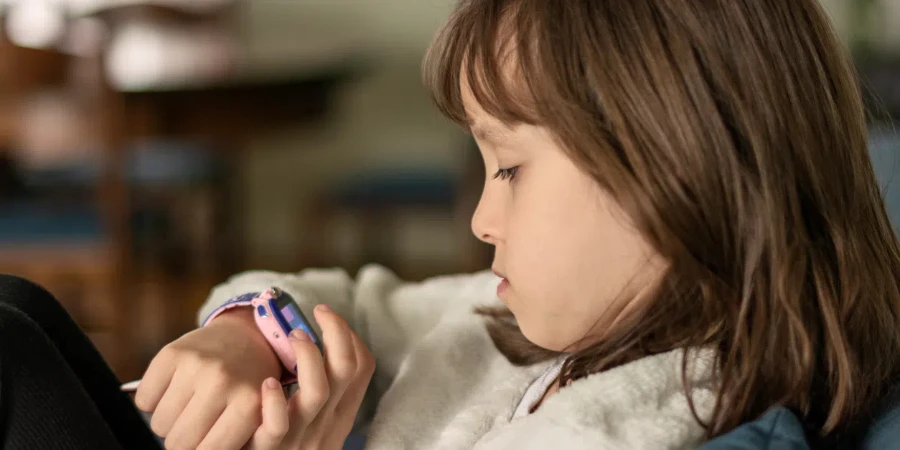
(884,434)
(884,145)
(30,222)
(778,429)
(153,163)
(384,189)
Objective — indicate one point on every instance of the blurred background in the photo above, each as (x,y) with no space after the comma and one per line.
(151,148)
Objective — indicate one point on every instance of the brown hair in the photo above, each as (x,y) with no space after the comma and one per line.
(733,134)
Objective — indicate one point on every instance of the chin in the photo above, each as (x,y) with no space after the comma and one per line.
(538,332)
(542,339)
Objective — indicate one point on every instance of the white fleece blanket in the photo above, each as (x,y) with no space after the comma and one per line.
(441,384)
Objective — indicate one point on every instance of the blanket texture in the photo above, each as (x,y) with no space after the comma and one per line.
(441,383)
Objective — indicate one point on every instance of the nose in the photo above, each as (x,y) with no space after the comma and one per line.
(486,219)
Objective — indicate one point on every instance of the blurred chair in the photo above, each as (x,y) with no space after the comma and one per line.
(67,251)
(59,243)
(65,221)
(55,232)
(375,201)
(175,201)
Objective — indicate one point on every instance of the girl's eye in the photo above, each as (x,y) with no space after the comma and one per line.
(506,174)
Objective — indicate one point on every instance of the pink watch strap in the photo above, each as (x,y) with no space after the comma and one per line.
(241,300)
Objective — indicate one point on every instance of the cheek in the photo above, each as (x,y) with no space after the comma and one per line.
(557,236)
(537,251)
(572,261)
(551,261)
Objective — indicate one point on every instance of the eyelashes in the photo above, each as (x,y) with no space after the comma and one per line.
(506,174)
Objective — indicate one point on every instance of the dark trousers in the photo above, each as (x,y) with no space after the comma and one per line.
(56,392)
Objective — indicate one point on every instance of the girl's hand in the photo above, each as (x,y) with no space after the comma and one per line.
(321,413)
(203,389)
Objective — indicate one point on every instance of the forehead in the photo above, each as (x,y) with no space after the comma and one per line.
(482,124)
(490,134)
(494,93)
(488,129)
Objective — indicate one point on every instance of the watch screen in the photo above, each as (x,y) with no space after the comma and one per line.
(295,320)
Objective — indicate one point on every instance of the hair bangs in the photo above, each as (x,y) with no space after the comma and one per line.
(480,50)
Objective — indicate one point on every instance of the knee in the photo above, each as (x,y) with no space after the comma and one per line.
(24,347)
(27,297)
(16,327)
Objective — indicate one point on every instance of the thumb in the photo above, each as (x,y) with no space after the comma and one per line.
(274,418)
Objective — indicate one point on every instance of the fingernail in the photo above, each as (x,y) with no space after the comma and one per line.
(272,383)
(324,308)
(299,335)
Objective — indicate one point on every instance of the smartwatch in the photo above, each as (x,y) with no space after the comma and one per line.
(276,315)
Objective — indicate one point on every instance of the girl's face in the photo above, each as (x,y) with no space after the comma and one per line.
(571,262)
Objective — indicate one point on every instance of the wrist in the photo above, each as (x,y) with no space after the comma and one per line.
(240,320)
(242,316)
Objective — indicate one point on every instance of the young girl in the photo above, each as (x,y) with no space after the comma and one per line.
(688,233)
(687,227)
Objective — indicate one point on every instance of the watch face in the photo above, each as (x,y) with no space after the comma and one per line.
(291,317)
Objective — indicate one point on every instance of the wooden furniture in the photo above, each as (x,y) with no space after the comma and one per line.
(23,70)
(375,202)
(82,278)
(73,269)
(247,102)
(254,98)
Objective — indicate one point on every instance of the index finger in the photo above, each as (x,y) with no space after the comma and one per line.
(274,418)
(313,382)
(155,382)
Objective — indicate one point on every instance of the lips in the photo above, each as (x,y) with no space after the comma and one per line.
(503,286)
